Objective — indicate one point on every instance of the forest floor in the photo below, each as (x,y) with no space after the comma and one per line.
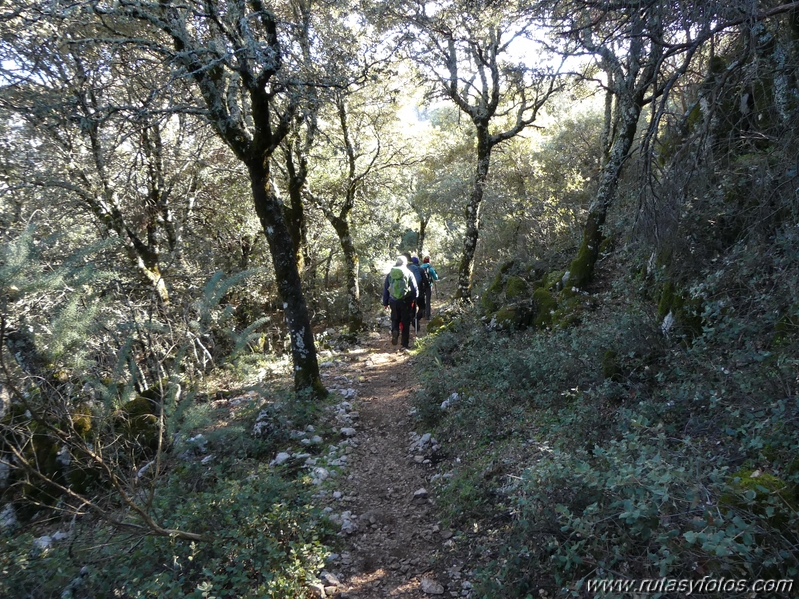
(398,548)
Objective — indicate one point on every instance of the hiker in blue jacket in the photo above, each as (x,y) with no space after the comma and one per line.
(432,275)
(400,292)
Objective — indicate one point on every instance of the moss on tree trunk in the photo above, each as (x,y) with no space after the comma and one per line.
(303,351)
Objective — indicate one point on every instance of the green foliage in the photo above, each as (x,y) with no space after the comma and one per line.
(266,545)
(625,446)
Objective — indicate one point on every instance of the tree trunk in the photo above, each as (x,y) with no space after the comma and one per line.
(423,220)
(294,212)
(464,291)
(351,271)
(582,268)
(303,350)
(152,274)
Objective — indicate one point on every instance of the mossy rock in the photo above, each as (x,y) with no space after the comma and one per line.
(497,284)
(490,301)
(439,323)
(685,311)
(545,305)
(82,480)
(508,286)
(15,416)
(138,422)
(436,323)
(761,488)
(536,271)
(611,370)
(552,281)
(607,246)
(42,448)
(82,421)
(507,317)
(570,309)
(582,267)
(506,267)
(515,287)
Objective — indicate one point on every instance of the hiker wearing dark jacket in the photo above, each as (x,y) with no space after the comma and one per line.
(400,291)
(413,266)
(432,275)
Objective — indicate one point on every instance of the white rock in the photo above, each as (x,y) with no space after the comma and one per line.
(144,468)
(199,442)
(60,536)
(349,527)
(668,322)
(348,431)
(63,457)
(8,518)
(280,458)
(43,543)
(420,493)
(431,587)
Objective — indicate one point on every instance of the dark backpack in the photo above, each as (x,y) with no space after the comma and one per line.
(425,283)
(399,285)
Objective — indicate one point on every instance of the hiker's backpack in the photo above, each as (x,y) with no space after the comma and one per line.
(399,285)
(425,283)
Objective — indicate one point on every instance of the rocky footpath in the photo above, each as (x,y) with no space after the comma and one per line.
(374,485)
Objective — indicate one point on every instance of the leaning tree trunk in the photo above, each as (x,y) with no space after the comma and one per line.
(151,273)
(582,268)
(423,220)
(294,212)
(464,291)
(351,271)
(303,350)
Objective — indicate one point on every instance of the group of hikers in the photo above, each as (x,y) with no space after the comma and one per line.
(407,290)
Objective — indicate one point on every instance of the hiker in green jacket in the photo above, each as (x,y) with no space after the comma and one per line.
(400,292)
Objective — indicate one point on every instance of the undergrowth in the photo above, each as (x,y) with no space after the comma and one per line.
(267,538)
(619,449)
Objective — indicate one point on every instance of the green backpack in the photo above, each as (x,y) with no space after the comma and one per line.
(400,285)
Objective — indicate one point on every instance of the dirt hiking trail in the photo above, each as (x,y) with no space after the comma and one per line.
(394,545)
